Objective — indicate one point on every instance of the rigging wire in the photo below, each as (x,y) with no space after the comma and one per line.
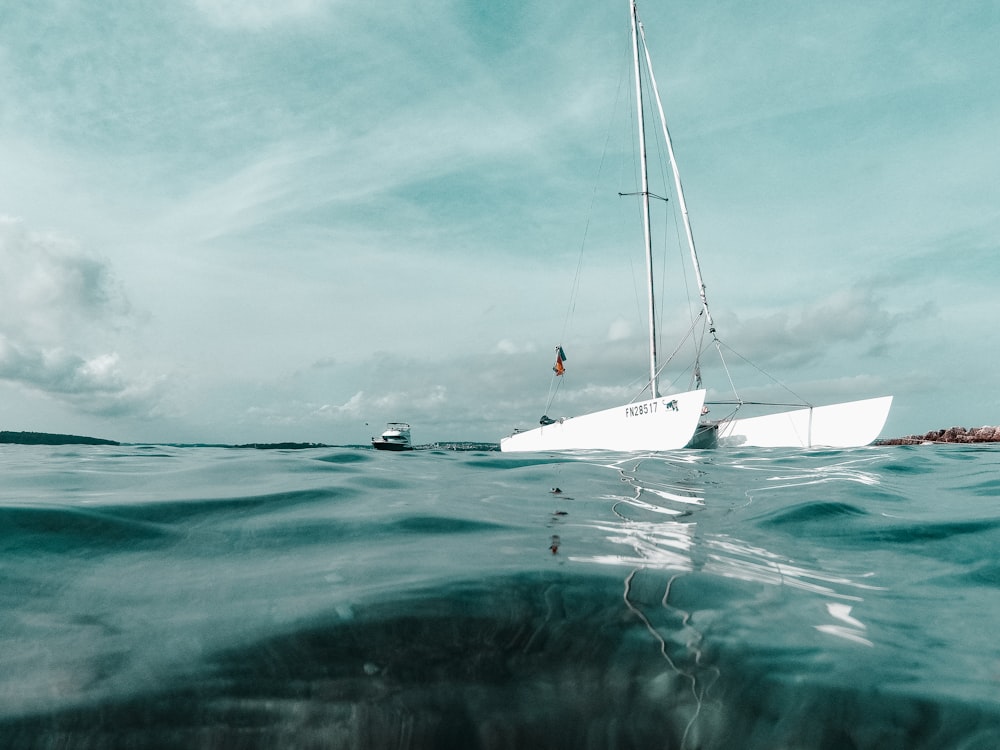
(671,209)
(765,373)
(555,381)
(629,158)
(697,313)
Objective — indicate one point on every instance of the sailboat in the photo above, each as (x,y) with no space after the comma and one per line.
(679,420)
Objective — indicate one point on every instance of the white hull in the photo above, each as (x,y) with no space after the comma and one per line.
(395,438)
(847,425)
(659,424)
(656,427)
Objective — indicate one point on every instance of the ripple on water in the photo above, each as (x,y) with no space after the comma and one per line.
(813,511)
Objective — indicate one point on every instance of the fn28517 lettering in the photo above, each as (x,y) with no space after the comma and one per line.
(640,410)
(649,407)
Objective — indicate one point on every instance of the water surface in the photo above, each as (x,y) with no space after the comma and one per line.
(342,597)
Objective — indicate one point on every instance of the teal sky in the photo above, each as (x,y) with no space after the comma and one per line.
(250,221)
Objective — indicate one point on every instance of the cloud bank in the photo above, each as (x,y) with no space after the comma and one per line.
(60,308)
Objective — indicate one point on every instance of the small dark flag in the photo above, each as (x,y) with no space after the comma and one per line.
(559,369)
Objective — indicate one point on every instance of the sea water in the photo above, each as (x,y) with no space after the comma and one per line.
(341,597)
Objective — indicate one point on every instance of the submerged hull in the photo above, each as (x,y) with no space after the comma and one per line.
(659,424)
(847,425)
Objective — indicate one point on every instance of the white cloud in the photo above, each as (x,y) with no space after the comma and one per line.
(60,308)
(506,346)
(50,288)
(353,407)
(793,336)
(256,15)
(620,330)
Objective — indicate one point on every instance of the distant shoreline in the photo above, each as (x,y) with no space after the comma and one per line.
(985,434)
(49,438)
(52,438)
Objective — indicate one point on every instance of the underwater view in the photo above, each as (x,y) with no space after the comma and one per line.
(345,597)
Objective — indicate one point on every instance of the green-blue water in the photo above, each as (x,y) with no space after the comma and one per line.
(341,597)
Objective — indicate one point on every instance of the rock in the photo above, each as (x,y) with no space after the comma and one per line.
(986,434)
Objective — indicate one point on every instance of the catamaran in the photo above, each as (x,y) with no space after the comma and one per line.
(680,420)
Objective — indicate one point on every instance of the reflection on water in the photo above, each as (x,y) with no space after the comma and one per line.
(690,671)
(665,545)
(657,527)
(839,470)
(659,524)
(852,629)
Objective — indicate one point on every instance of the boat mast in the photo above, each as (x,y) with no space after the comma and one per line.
(645,204)
(677,184)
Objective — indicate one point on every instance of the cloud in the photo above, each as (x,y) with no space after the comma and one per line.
(418,403)
(256,15)
(620,330)
(422,401)
(93,386)
(854,317)
(50,289)
(59,309)
(506,346)
(352,408)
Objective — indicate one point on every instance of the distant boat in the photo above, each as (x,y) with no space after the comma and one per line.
(395,437)
(679,420)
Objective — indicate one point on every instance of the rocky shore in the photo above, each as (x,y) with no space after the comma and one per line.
(950,435)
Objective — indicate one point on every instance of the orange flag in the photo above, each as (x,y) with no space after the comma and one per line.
(559,369)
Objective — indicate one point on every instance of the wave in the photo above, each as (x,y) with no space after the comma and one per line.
(343,597)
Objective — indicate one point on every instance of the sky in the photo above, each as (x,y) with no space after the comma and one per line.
(232,222)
